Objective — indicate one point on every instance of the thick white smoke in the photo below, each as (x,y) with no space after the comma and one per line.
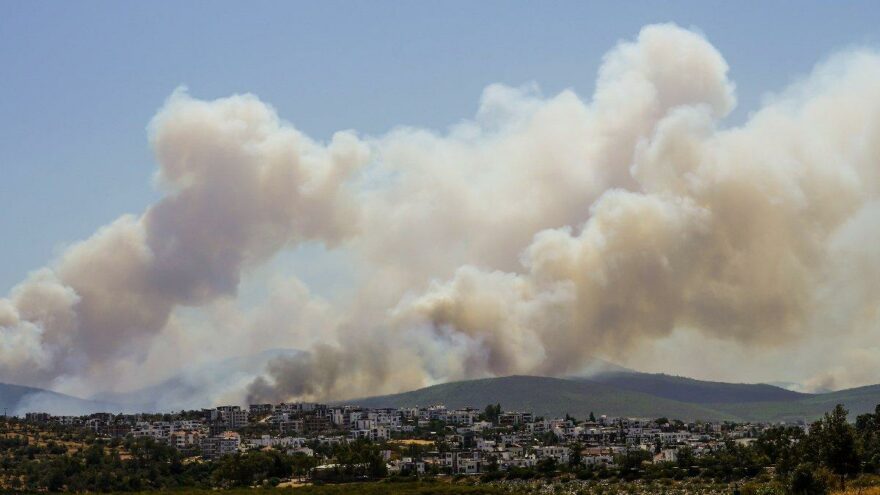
(240,185)
(541,233)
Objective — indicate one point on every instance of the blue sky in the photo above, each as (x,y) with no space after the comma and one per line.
(81,80)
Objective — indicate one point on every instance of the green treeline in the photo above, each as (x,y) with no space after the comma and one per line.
(832,452)
(142,464)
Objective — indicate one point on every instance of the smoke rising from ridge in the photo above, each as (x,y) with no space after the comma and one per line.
(545,231)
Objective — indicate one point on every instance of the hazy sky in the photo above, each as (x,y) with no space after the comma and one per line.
(80,80)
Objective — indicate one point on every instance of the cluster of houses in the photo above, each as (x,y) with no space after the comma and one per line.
(455,441)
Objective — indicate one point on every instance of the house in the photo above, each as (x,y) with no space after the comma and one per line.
(37,417)
(183,439)
(463,417)
(374,434)
(666,455)
(407,465)
(231,416)
(558,453)
(217,446)
(513,418)
(276,442)
(260,409)
(597,459)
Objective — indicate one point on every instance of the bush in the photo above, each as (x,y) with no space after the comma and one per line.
(492,476)
(807,479)
(585,474)
(756,488)
(520,473)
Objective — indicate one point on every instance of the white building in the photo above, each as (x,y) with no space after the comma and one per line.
(556,452)
(226,443)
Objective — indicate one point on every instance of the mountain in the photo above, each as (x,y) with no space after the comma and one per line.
(201,385)
(548,397)
(858,400)
(596,366)
(696,391)
(636,395)
(797,387)
(193,388)
(18,399)
(603,388)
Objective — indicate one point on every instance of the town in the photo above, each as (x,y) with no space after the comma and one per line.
(468,450)
(465,441)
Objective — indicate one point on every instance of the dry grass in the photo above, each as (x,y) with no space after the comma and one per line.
(874,490)
(293,484)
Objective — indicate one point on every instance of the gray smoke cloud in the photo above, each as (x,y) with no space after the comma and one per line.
(647,221)
(542,233)
(239,186)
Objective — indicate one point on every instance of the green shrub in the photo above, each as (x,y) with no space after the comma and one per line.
(807,479)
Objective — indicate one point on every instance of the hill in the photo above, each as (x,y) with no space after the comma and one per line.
(696,391)
(636,395)
(857,400)
(547,397)
(18,399)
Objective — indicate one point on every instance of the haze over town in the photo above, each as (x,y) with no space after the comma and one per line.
(648,222)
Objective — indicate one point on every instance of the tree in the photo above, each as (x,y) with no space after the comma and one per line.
(782,446)
(631,462)
(686,458)
(806,479)
(868,432)
(548,438)
(492,464)
(546,466)
(833,440)
(574,458)
(492,413)
(592,417)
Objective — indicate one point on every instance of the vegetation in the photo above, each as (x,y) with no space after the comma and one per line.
(405,488)
(492,413)
(833,455)
(58,459)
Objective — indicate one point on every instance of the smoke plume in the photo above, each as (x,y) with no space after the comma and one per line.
(542,233)
(240,185)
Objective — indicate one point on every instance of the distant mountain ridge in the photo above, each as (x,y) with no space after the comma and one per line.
(198,386)
(635,394)
(191,388)
(697,391)
(546,397)
(606,389)
(18,399)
